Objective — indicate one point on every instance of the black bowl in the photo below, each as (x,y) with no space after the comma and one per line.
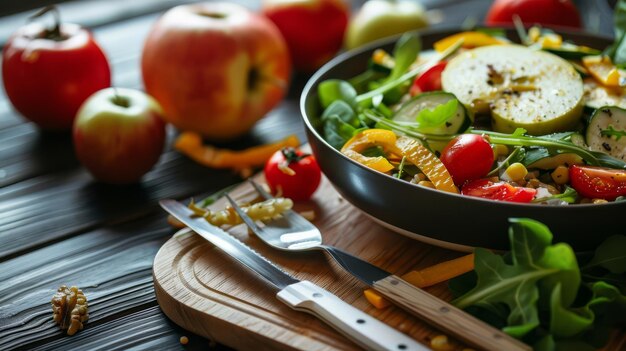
(441,218)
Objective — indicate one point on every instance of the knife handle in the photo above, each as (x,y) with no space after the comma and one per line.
(363,329)
(446,317)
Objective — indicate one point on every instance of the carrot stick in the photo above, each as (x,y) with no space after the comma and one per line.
(427,277)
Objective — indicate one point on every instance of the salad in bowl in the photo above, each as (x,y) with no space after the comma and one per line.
(446,144)
(537,122)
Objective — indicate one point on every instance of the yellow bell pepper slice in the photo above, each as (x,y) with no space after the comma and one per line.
(427,162)
(414,152)
(604,71)
(366,139)
(470,40)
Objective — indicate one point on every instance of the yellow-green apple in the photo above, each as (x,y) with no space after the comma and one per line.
(378,19)
(313,29)
(119,134)
(215,68)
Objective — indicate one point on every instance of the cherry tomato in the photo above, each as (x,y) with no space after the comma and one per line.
(546,12)
(429,80)
(499,191)
(598,182)
(293,173)
(49,73)
(467,157)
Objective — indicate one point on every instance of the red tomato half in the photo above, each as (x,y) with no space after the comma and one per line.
(293,173)
(546,12)
(598,182)
(499,191)
(467,157)
(429,80)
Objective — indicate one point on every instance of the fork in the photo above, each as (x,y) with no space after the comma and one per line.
(292,232)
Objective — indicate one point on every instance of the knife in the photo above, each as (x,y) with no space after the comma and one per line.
(415,300)
(363,329)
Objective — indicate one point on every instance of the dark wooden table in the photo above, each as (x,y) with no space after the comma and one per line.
(58,226)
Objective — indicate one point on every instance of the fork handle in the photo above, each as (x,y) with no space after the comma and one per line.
(445,316)
(363,329)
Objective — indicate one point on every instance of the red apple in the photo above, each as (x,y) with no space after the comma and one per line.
(119,135)
(48,73)
(216,68)
(313,29)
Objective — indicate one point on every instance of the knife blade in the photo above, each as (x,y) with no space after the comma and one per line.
(361,328)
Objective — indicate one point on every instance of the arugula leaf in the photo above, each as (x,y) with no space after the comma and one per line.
(611,255)
(438,115)
(515,285)
(336,89)
(405,52)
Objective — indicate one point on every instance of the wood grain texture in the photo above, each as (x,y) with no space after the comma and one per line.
(194,281)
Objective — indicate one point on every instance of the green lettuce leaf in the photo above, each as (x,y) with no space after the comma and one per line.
(333,90)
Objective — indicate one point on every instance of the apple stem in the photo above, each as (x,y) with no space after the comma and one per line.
(53,33)
(119,100)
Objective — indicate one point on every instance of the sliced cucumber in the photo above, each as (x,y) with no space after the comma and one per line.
(597,95)
(606,131)
(522,88)
(457,123)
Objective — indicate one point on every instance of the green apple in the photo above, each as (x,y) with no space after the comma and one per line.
(119,134)
(378,19)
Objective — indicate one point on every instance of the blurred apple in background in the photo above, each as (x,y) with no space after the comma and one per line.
(49,72)
(215,68)
(119,135)
(546,12)
(378,19)
(313,29)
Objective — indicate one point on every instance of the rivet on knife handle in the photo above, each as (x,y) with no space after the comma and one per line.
(447,317)
(360,327)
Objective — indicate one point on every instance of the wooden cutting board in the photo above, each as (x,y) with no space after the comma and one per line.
(208,293)
(205,291)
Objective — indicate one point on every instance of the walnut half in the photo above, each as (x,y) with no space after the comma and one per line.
(69,308)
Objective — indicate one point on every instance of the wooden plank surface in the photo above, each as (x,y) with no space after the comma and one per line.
(57,226)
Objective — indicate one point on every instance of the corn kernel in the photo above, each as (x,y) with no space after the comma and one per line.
(440,343)
(426,183)
(515,172)
(599,201)
(500,150)
(560,175)
(533,34)
(380,56)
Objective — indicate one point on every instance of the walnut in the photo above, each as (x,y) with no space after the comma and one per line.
(69,308)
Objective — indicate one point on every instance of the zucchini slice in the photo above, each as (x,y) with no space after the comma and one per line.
(522,88)
(456,124)
(606,131)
